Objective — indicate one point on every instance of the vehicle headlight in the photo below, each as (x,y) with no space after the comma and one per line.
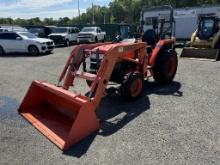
(41,43)
(93,56)
(101,56)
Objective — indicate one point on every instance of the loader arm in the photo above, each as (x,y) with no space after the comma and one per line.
(215,41)
(77,55)
(193,38)
(115,54)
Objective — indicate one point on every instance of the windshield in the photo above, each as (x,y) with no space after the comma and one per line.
(60,30)
(53,29)
(209,24)
(3,30)
(35,30)
(27,35)
(88,30)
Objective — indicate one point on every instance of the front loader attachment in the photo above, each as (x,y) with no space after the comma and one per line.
(201,53)
(62,116)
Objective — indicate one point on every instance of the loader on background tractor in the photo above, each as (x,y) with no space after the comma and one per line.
(65,117)
(205,41)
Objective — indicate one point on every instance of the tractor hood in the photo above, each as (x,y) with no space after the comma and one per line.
(105,48)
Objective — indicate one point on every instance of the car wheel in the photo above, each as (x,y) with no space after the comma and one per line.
(67,43)
(33,50)
(1,51)
(96,40)
(103,39)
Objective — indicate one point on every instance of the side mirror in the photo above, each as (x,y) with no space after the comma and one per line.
(18,38)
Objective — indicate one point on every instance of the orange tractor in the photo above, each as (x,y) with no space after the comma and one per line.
(65,117)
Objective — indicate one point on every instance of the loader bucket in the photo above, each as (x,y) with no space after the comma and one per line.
(201,53)
(62,116)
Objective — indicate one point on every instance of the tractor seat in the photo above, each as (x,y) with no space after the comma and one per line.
(150,37)
(149,50)
(205,34)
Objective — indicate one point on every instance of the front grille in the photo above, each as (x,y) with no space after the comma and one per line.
(49,43)
(84,35)
(57,39)
(50,47)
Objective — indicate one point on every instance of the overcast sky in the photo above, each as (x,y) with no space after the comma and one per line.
(45,8)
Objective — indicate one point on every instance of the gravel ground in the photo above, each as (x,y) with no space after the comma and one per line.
(173,124)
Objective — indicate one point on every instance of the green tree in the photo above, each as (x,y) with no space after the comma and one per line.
(118,11)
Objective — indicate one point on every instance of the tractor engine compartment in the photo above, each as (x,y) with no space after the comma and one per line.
(120,69)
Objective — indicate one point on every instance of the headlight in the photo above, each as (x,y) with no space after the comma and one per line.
(101,56)
(42,43)
(93,56)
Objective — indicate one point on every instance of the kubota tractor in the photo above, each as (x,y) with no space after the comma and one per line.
(65,117)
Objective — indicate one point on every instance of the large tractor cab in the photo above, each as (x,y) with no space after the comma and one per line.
(208,27)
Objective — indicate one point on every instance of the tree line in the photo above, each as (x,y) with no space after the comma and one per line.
(118,11)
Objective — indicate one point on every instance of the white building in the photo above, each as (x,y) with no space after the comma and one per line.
(186,19)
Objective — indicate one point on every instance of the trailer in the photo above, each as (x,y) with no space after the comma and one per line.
(186,19)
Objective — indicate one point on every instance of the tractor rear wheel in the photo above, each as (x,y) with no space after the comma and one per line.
(165,67)
(132,85)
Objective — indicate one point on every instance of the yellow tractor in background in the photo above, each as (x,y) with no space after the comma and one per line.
(205,41)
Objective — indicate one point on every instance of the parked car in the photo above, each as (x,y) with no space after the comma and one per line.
(91,34)
(14,28)
(41,31)
(64,35)
(24,42)
(3,30)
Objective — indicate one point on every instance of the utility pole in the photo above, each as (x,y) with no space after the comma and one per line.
(79,13)
(104,18)
(93,14)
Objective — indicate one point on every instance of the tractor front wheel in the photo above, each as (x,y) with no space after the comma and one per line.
(132,85)
(165,67)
